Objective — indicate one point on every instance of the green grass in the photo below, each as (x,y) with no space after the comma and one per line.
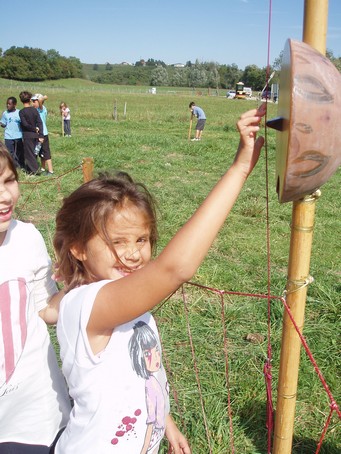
(151,144)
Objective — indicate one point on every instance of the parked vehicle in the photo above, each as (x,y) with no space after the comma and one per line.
(231,94)
(248,92)
(240,94)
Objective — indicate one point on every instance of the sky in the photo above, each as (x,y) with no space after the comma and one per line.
(175,31)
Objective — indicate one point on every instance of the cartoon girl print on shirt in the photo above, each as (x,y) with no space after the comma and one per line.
(145,354)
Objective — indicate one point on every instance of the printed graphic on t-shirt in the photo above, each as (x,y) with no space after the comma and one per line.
(13,325)
(145,355)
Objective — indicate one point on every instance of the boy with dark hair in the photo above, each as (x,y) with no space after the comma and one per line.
(200,114)
(32,129)
(10,120)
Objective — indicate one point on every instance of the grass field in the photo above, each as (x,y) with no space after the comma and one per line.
(151,144)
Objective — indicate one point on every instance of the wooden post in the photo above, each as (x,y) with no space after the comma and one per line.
(88,169)
(190,127)
(115,110)
(303,212)
(125,110)
(298,278)
(62,124)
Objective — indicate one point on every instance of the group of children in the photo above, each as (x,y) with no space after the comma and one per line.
(26,135)
(110,349)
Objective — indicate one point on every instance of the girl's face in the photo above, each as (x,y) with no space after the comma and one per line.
(9,195)
(129,233)
(152,359)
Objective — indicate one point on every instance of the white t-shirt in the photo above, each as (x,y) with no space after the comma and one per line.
(34,402)
(116,395)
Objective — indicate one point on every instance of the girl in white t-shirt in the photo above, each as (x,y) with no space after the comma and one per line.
(105,236)
(66,118)
(34,402)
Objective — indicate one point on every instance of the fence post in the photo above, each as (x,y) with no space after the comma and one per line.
(88,169)
(115,110)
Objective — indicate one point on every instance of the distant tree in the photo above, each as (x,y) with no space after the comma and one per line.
(27,63)
(179,78)
(197,76)
(277,64)
(229,75)
(254,77)
(188,64)
(108,67)
(336,61)
(95,67)
(213,77)
(159,76)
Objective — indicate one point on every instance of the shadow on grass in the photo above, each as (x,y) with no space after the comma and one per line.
(253,419)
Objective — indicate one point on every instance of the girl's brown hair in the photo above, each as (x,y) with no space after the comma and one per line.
(85,213)
(6,160)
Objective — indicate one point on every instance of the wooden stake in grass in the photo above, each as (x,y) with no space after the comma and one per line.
(190,127)
(314,34)
(115,110)
(88,169)
(62,123)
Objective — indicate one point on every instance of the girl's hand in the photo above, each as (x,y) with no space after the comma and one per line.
(249,148)
(178,442)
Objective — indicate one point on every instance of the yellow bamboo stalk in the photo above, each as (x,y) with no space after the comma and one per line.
(302,227)
(190,127)
(315,24)
(303,213)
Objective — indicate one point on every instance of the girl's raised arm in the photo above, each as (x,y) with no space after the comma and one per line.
(123,300)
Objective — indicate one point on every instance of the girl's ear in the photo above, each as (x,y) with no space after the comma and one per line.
(78,253)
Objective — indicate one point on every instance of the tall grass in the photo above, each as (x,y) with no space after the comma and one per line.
(151,144)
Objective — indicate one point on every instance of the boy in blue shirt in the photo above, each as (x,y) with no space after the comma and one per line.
(10,120)
(200,114)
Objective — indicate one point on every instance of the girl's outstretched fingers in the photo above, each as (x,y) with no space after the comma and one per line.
(249,147)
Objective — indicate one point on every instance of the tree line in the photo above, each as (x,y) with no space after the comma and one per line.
(197,74)
(31,64)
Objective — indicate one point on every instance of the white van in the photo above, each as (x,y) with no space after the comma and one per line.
(248,91)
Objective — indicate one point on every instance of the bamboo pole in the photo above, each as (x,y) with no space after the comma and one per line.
(190,127)
(62,124)
(303,213)
(88,169)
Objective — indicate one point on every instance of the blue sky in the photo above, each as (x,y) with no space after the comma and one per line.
(100,31)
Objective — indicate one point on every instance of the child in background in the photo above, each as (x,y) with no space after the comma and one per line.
(10,120)
(110,348)
(45,152)
(65,112)
(34,403)
(200,114)
(32,129)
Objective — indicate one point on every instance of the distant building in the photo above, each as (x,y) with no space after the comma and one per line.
(125,63)
(179,65)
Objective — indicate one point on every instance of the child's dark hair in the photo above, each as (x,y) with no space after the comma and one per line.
(6,160)
(86,212)
(191,104)
(13,99)
(25,96)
